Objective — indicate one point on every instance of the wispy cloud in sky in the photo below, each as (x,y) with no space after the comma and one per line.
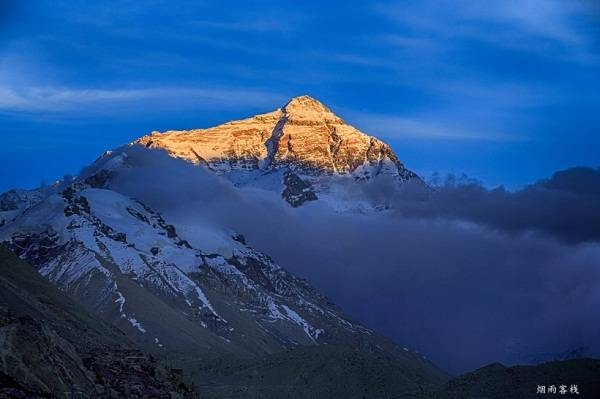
(550,28)
(64,99)
(394,127)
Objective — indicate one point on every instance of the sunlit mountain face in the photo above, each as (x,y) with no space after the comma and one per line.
(301,150)
(412,211)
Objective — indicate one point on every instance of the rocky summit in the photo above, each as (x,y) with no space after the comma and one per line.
(303,135)
(304,142)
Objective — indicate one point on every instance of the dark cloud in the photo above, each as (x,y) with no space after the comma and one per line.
(462,294)
(581,180)
(455,273)
(567,205)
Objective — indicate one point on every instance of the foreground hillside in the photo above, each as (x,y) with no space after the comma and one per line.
(49,346)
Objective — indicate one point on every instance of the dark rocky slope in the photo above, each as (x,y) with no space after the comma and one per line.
(315,372)
(50,346)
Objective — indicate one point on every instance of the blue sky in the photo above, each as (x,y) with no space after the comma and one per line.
(505,91)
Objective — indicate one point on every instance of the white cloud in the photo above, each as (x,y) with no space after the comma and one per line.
(499,96)
(542,18)
(550,27)
(58,99)
(399,127)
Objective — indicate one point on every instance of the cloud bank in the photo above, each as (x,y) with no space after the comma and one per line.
(566,206)
(467,276)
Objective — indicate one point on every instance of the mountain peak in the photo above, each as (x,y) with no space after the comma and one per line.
(304,135)
(305,103)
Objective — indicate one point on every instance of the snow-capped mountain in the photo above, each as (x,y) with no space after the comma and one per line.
(193,289)
(302,150)
(14,202)
(123,260)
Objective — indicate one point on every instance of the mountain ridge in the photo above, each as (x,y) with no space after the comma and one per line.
(303,142)
(303,134)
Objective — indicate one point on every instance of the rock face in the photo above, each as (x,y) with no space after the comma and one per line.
(50,346)
(303,137)
(304,134)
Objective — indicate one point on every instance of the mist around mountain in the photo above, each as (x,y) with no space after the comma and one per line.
(253,257)
(464,285)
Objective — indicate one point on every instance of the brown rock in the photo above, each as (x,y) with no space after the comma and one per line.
(303,134)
